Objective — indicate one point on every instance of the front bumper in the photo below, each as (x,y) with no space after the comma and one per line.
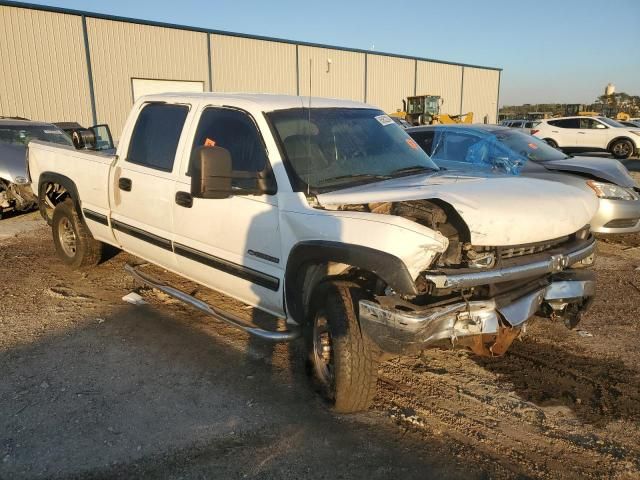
(617,216)
(487,327)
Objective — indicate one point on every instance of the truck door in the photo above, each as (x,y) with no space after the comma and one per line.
(142,183)
(231,244)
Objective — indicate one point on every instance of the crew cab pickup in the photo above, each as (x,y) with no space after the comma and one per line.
(326,214)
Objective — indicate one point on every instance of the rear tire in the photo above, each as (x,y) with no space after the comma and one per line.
(73,242)
(341,358)
(621,149)
(551,142)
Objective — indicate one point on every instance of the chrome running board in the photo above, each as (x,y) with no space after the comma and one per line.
(229,318)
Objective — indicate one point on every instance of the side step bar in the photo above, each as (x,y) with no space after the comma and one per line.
(285,336)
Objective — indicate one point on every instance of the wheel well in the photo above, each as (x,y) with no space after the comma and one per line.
(57,188)
(311,262)
(622,137)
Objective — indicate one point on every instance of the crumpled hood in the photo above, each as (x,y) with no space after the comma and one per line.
(499,211)
(606,169)
(12,161)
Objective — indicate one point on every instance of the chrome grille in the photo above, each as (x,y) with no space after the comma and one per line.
(522,250)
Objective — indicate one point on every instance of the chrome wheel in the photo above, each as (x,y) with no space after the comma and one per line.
(323,354)
(67,237)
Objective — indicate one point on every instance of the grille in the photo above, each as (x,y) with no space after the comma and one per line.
(504,253)
(530,249)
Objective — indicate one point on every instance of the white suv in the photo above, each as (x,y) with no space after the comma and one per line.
(586,134)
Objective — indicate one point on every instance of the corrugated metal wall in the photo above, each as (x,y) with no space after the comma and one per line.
(389,81)
(247,65)
(45,75)
(121,51)
(343,77)
(441,79)
(42,66)
(480,94)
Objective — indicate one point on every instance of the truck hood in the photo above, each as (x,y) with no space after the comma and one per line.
(605,169)
(499,211)
(12,161)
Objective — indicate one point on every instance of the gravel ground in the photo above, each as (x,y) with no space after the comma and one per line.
(92,387)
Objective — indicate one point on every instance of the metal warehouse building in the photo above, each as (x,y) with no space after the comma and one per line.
(66,65)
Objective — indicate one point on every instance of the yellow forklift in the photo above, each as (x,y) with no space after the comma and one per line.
(425,110)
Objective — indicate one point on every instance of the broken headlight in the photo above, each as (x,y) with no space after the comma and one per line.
(486,259)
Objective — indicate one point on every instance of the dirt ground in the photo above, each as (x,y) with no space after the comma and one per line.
(92,387)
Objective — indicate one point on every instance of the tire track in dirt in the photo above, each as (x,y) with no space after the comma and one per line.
(482,415)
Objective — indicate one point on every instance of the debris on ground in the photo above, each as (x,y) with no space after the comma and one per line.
(134,299)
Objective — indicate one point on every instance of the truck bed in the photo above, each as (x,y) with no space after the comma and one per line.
(84,169)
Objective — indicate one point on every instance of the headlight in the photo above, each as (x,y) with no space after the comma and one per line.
(481,260)
(610,191)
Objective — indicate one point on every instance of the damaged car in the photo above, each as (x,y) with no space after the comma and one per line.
(15,135)
(342,228)
(481,149)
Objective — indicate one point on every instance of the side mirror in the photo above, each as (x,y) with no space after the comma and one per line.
(212,174)
(97,137)
(600,126)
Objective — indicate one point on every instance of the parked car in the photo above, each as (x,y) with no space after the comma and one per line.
(589,134)
(331,218)
(520,123)
(489,148)
(15,134)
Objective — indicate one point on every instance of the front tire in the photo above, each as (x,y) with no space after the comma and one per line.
(341,358)
(73,242)
(621,149)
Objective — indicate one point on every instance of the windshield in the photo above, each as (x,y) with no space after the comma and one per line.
(23,134)
(528,146)
(328,148)
(611,123)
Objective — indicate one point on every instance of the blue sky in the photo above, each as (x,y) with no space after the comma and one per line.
(551,51)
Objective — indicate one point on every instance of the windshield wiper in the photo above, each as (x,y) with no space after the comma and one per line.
(413,169)
(356,176)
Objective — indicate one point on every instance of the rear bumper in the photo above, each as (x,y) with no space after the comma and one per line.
(617,216)
(487,327)
(547,263)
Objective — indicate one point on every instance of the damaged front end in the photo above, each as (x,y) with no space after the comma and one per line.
(486,326)
(480,298)
(16,197)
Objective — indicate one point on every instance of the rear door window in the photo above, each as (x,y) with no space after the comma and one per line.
(566,123)
(156,135)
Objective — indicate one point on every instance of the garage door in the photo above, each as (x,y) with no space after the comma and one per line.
(145,86)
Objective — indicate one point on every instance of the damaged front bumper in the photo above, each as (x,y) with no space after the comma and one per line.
(487,327)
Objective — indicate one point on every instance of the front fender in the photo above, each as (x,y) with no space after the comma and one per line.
(389,268)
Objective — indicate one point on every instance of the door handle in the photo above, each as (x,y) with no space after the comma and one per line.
(184,199)
(582,133)
(124,184)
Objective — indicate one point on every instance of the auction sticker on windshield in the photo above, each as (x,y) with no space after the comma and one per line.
(384,120)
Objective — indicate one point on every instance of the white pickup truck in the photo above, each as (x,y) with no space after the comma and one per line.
(327,214)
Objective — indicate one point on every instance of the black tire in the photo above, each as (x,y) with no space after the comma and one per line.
(73,242)
(621,149)
(347,378)
(551,142)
